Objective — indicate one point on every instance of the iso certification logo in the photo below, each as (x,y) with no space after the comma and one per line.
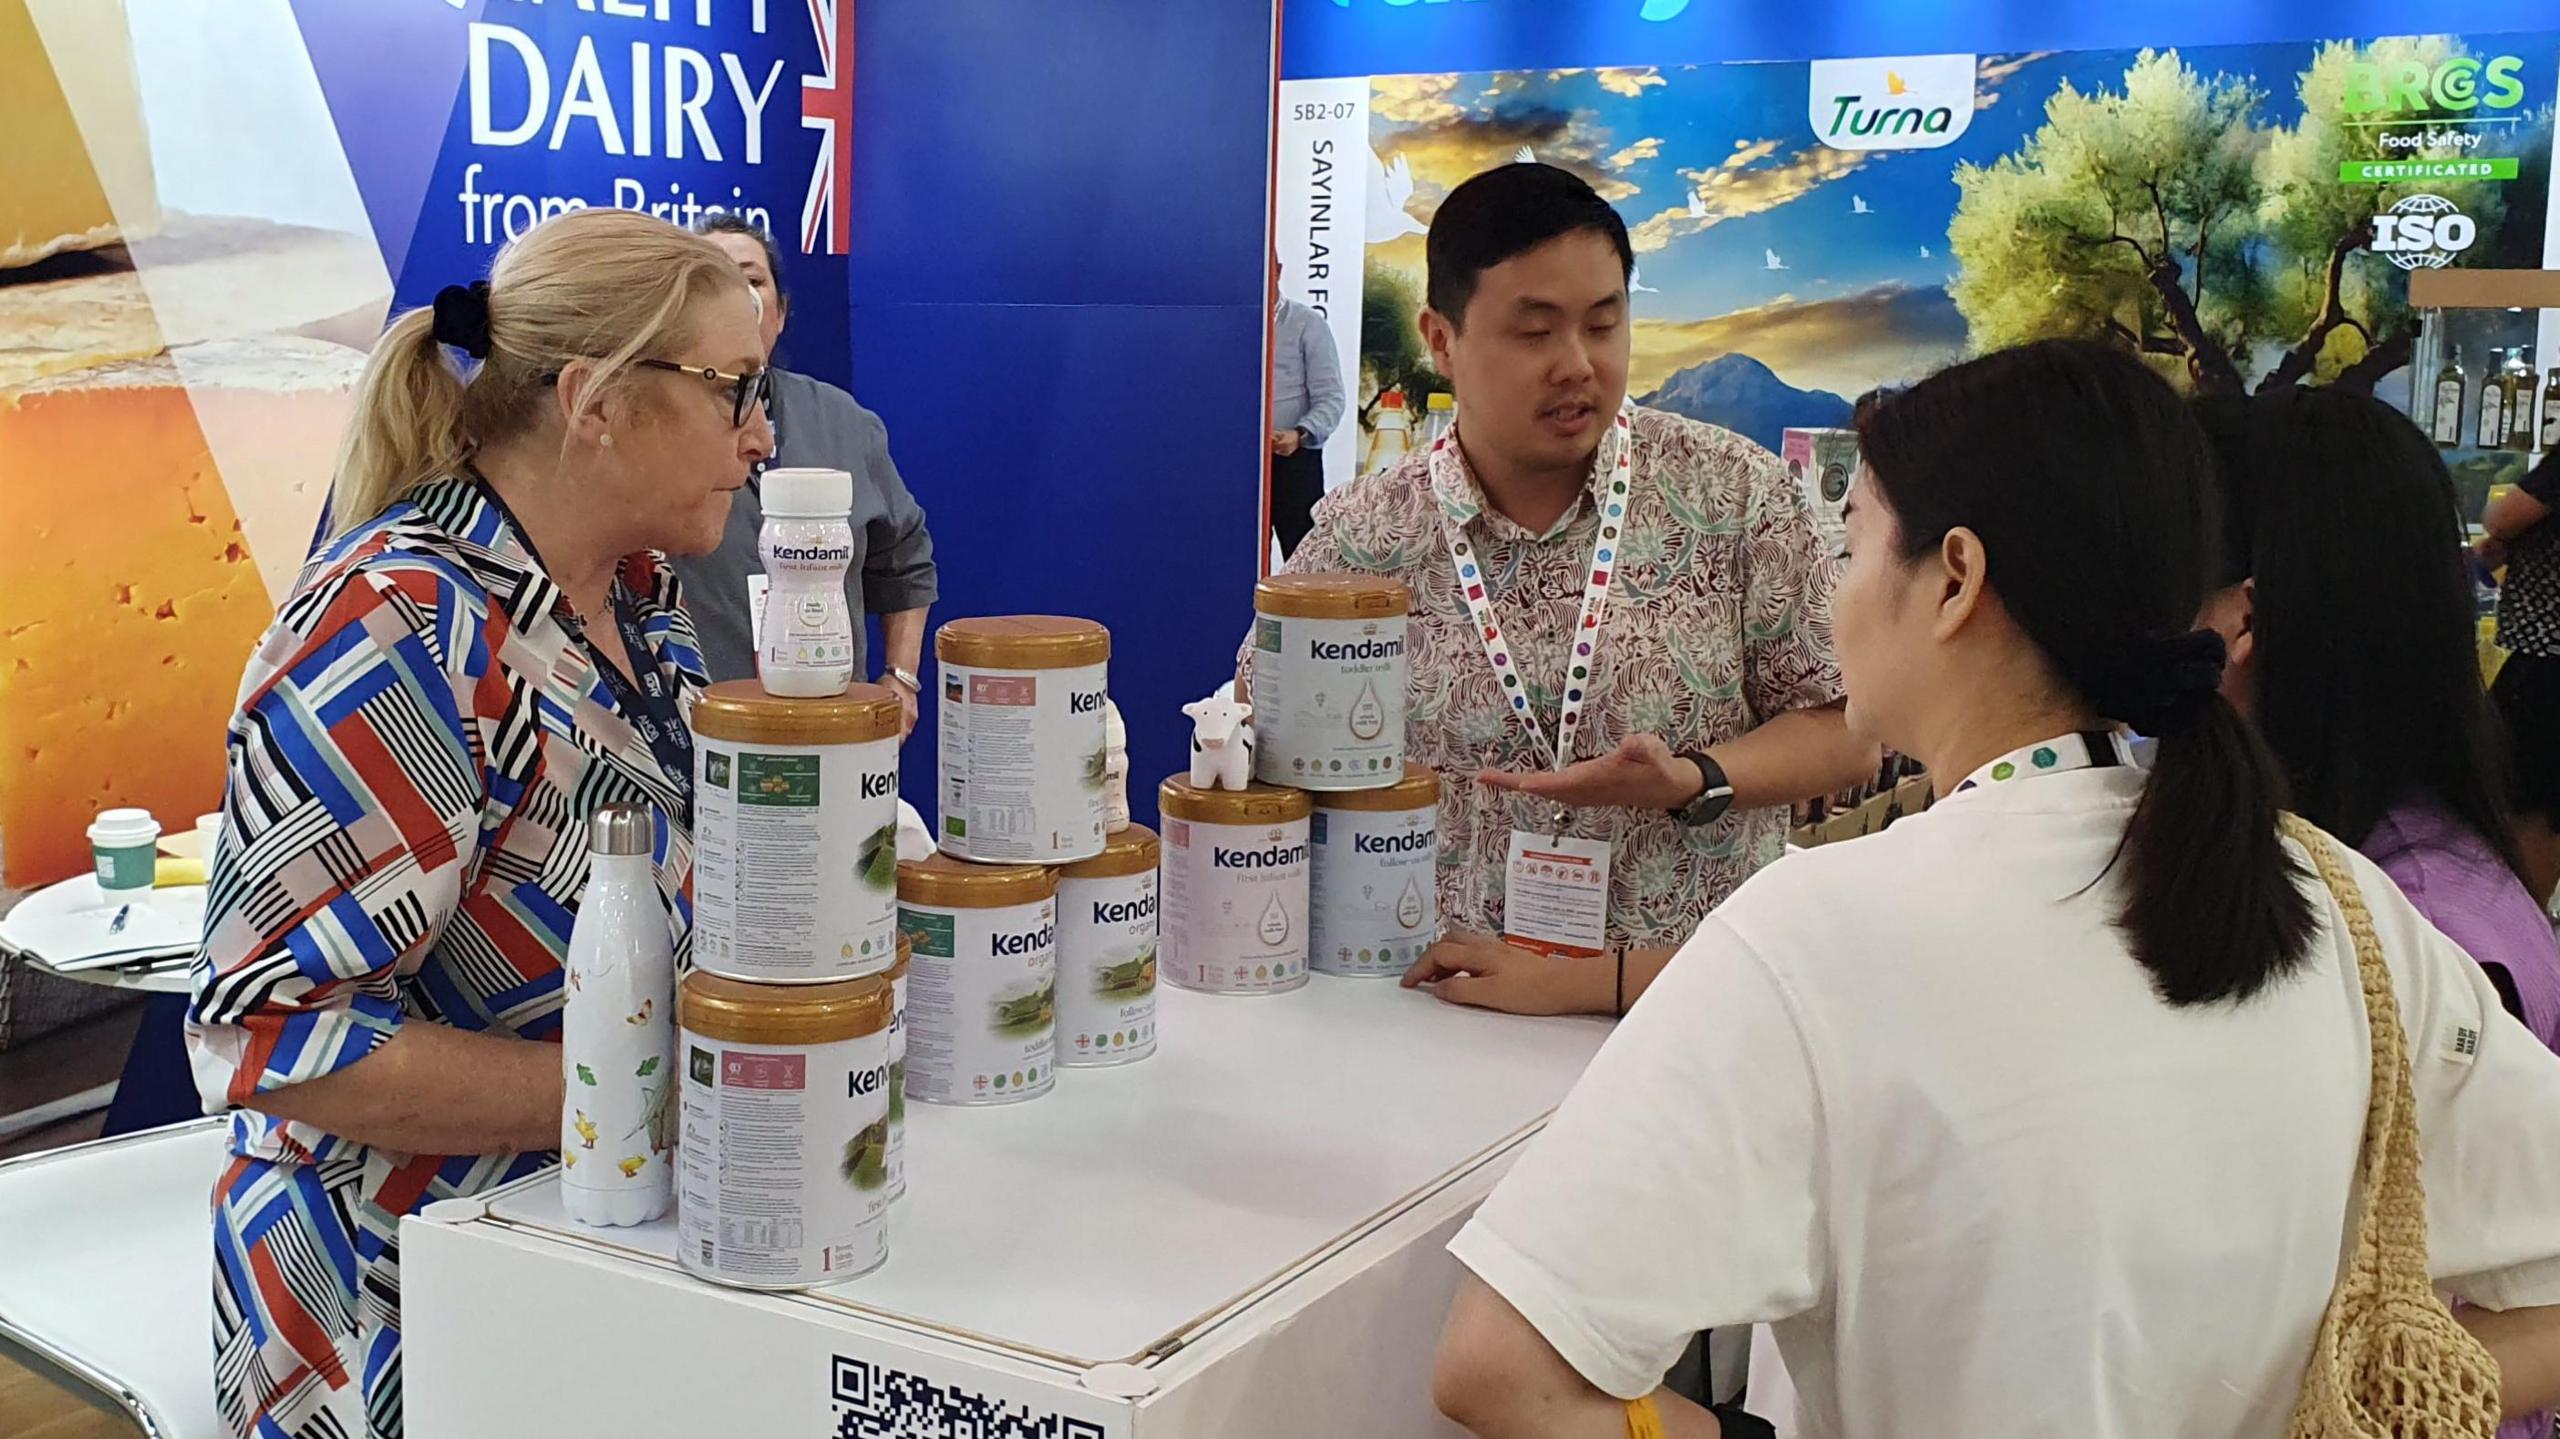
(2423,232)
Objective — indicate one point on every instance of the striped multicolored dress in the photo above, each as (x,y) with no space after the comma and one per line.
(418,740)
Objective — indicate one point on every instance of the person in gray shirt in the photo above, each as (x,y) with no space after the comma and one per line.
(816,424)
(1306,406)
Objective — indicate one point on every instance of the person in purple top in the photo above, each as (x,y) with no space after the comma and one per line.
(2524,540)
(2347,604)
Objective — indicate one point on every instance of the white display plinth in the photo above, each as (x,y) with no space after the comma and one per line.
(1239,1237)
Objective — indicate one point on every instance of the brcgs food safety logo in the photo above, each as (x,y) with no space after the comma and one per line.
(2462,84)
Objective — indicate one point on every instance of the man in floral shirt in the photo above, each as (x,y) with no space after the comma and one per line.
(1708,701)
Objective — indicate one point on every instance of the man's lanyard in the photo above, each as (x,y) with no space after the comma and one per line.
(2089,749)
(649,705)
(1617,450)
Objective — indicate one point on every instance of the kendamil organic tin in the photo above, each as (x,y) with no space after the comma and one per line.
(1023,744)
(1374,904)
(898,1074)
(795,833)
(982,980)
(1235,887)
(783,1176)
(1107,953)
(1328,680)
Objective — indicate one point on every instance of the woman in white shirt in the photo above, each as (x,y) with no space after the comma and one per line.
(2037,1113)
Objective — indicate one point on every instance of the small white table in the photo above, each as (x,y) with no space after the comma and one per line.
(153,978)
(52,929)
(1241,1236)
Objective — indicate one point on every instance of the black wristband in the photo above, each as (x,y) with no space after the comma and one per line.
(1713,801)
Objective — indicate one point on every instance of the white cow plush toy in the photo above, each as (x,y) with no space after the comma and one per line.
(915,839)
(1221,743)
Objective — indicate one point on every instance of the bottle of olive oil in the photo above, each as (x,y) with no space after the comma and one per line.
(2551,410)
(2520,410)
(2496,391)
(2445,425)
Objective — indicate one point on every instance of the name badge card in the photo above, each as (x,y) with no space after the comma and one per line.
(1555,896)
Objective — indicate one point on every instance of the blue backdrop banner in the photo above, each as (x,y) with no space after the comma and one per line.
(1328,38)
(676,107)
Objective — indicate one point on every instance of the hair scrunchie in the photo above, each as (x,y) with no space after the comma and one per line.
(2154,683)
(462,318)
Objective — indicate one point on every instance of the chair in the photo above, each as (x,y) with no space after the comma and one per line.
(106,1269)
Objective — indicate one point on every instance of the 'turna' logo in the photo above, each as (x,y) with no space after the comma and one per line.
(2423,232)
(1912,102)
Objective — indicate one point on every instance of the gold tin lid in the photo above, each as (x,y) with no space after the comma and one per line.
(906,956)
(1419,789)
(1130,849)
(1023,642)
(716,1007)
(1255,804)
(957,884)
(741,712)
(1333,597)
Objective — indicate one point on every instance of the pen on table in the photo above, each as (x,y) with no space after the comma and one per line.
(116,925)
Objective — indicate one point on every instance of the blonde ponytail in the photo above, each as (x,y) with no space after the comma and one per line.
(607,286)
(407,427)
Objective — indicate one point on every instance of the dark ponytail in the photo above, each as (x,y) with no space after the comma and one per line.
(2090,488)
(2210,902)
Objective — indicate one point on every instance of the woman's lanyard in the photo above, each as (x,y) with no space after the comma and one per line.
(772,417)
(650,703)
(2089,749)
(1617,457)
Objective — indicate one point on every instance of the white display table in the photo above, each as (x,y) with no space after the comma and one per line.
(1241,1236)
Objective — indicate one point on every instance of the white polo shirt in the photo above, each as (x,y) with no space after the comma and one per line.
(1911,1101)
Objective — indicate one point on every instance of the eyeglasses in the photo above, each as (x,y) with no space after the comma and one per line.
(747,393)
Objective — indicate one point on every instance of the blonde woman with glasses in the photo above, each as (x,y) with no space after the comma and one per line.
(491,648)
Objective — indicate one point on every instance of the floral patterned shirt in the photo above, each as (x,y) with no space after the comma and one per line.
(1719,620)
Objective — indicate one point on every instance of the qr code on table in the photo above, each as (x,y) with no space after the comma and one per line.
(874,1401)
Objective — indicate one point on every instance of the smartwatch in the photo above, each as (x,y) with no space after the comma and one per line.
(1713,801)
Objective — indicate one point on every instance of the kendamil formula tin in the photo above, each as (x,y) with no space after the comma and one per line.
(1373,905)
(982,980)
(1107,953)
(1024,751)
(898,1074)
(795,835)
(1235,887)
(1328,680)
(783,1175)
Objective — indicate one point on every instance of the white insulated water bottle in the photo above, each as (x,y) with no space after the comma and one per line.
(806,545)
(618,1110)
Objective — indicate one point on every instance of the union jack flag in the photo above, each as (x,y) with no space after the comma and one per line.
(826,106)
